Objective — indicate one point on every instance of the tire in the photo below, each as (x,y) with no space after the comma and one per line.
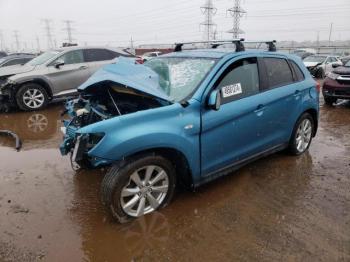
(24,100)
(121,177)
(329,100)
(321,74)
(294,147)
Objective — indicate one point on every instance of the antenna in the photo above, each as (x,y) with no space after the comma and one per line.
(237,13)
(208,10)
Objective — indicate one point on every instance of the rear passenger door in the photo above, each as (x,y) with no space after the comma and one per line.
(281,98)
(98,57)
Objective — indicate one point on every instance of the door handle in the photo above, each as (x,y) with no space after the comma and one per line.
(259,108)
(83,67)
(297,93)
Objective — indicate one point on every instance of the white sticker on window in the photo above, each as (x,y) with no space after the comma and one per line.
(231,90)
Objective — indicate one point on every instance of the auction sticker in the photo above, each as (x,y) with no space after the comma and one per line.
(231,90)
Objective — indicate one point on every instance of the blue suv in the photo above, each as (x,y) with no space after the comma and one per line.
(187,117)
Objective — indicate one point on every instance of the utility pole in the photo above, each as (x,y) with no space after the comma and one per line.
(38,43)
(237,13)
(2,45)
(330,35)
(208,10)
(69,30)
(15,35)
(47,27)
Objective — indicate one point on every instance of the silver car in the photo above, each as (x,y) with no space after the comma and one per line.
(53,74)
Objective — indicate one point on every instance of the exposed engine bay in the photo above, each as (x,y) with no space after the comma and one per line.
(107,100)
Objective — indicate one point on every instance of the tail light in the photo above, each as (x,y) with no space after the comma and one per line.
(139,60)
(318,86)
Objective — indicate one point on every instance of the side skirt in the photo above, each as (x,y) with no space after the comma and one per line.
(237,165)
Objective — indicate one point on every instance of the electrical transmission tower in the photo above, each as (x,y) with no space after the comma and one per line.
(209,11)
(15,35)
(69,30)
(237,13)
(47,27)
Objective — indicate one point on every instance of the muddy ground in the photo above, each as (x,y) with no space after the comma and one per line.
(280,208)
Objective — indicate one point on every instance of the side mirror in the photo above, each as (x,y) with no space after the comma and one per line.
(335,65)
(58,64)
(214,101)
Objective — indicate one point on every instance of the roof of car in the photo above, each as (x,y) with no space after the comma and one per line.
(213,53)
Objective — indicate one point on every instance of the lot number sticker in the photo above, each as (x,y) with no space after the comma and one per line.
(231,90)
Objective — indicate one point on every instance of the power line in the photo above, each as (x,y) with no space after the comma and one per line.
(69,30)
(15,35)
(47,28)
(208,10)
(237,13)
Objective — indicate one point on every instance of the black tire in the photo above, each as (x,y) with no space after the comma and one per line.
(119,176)
(29,88)
(320,74)
(329,100)
(293,140)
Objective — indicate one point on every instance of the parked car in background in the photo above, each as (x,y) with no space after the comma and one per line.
(15,59)
(55,73)
(337,84)
(320,65)
(345,59)
(188,116)
(149,55)
(2,54)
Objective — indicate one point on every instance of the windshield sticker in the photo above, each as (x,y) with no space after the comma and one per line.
(231,90)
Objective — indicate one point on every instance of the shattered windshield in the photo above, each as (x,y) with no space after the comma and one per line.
(179,77)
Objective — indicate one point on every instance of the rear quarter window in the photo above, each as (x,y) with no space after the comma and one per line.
(278,72)
(298,74)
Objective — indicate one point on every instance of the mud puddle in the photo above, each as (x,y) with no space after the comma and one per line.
(278,208)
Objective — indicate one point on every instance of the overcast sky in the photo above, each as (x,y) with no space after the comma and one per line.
(114,22)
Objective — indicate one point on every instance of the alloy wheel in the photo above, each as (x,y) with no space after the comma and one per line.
(146,190)
(304,134)
(33,98)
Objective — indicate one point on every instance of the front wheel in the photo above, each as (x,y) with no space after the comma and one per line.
(329,100)
(302,134)
(138,186)
(32,97)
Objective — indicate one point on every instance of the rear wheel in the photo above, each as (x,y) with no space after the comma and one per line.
(302,134)
(329,100)
(32,97)
(139,186)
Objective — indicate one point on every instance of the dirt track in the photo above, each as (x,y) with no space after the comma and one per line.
(280,208)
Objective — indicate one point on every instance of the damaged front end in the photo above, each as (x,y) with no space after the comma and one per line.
(108,94)
(7,95)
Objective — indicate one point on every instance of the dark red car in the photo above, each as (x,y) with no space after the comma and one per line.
(337,84)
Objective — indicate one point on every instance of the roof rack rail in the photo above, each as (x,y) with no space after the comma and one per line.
(237,42)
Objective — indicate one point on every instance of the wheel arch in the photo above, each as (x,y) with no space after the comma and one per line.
(176,157)
(314,114)
(40,82)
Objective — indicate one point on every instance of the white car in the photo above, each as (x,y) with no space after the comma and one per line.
(320,65)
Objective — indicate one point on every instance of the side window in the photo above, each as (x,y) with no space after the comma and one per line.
(94,55)
(240,80)
(278,72)
(12,62)
(299,76)
(72,57)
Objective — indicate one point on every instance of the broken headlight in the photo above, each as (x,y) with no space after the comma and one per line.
(93,140)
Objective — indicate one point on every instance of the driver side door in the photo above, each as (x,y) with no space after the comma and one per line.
(68,77)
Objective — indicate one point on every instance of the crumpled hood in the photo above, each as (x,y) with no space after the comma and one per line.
(342,70)
(131,75)
(15,69)
(307,64)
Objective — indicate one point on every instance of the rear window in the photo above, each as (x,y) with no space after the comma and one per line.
(278,72)
(299,76)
